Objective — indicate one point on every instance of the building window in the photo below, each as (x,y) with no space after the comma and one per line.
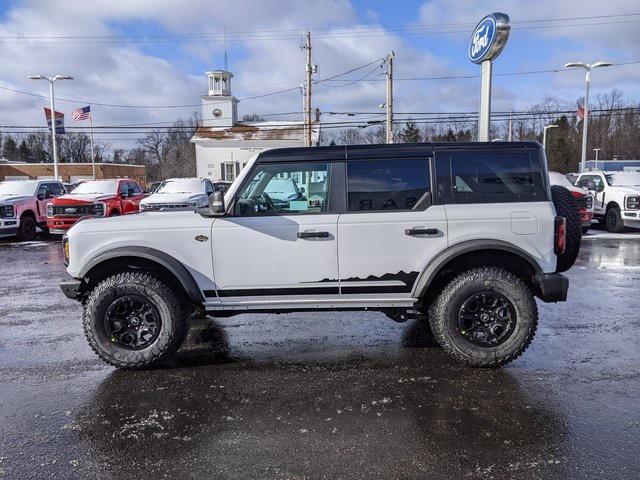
(229,172)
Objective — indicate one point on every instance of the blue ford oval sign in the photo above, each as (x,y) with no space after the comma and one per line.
(489,37)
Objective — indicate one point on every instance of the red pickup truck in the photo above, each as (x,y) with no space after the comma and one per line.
(95,198)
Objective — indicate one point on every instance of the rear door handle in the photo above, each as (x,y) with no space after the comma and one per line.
(421,231)
(313,234)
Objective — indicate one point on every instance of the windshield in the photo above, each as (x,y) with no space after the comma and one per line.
(558,179)
(181,186)
(98,186)
(17,188)
(626,179)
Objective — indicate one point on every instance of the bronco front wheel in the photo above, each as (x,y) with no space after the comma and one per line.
(134,320)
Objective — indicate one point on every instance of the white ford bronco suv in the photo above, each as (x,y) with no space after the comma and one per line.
(23,206)
(464,236)
(617,198)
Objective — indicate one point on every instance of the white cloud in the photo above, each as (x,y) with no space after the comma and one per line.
(117,72)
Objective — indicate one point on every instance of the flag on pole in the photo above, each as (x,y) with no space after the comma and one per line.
(580,114)
(59,120)
(82,113)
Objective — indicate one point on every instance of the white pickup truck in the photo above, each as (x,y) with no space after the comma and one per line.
(617,198)
(23,206)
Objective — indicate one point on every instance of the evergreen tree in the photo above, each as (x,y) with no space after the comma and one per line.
(23,154)
(9,148)
(411,133)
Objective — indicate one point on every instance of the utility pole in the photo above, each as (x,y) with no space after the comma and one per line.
(389,104)
(510,127)
(307,92)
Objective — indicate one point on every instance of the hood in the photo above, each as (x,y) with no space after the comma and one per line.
(627,190)
(175,198)
(82,199)
(145,221)
(13,198)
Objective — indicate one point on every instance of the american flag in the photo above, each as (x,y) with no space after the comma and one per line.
(82,113)
(580,113)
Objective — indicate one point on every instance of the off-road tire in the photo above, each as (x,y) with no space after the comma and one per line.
(27,229)
(174,320)
(45,233)
(585,230)
(566,207)
(443,317)
(613,221)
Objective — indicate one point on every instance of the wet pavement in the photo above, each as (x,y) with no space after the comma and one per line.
(324,395)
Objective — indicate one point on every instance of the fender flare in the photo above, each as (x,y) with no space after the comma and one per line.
(430,271)
(167,261)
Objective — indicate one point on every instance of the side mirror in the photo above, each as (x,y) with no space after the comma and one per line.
(131,192)
(216,203)
(41,196)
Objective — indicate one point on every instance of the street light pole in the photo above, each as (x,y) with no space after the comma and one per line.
(544,136)
(597,150)
(585,122)
(51,81)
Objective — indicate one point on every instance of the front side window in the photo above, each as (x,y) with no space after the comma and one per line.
(44,191)
(596,179)
(398,184)
(284,189)
(485,177)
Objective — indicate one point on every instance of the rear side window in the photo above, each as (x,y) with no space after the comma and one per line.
(489,177)
(399,184)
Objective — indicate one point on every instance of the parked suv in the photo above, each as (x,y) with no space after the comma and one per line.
(95,198)
(617,198)
(23,206)
(179,194)
(464,236)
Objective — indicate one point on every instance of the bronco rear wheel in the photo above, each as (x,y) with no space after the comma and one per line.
(485,317)
(134,320)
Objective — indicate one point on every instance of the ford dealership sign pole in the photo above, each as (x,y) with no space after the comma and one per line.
(488,39)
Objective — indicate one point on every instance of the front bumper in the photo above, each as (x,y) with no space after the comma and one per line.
(553,287)
(72,288)
(60,225)
(586,218)
(631,218)
(9,226)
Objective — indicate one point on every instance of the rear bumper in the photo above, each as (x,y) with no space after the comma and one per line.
(553,287)
(71,288)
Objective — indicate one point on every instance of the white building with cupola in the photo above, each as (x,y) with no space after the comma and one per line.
(224,145)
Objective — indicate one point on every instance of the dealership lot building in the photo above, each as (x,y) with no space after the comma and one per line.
(71,172)
(224,145)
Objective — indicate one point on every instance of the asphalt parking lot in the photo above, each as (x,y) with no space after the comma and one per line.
(323,395)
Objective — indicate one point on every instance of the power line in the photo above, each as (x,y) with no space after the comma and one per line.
(326,32)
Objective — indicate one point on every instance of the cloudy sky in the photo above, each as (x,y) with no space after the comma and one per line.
(153,53)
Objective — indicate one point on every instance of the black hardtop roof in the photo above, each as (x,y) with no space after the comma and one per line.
(346,152)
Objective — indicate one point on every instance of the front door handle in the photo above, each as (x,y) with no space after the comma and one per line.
(313,234)
(421,231)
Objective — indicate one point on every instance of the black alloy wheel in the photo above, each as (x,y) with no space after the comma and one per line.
(132,322)
(486,319)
